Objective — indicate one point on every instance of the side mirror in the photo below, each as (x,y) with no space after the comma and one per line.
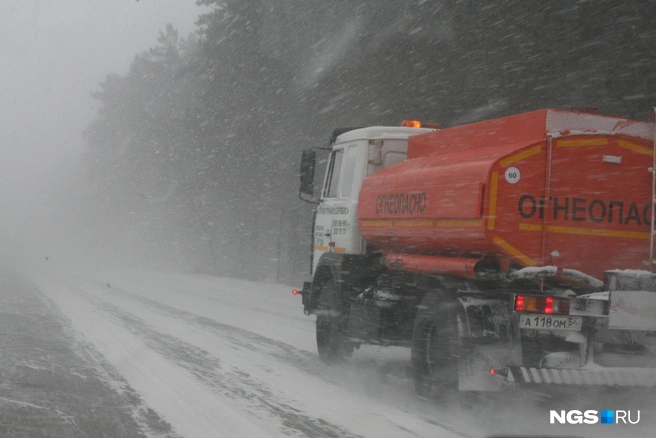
(308,162)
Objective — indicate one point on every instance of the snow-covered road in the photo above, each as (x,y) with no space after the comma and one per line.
(221,357)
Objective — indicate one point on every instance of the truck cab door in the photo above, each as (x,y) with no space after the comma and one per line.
(335,227)
(323,241)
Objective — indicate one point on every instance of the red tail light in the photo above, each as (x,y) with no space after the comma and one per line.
(519,303)
(541,304)
(549,305)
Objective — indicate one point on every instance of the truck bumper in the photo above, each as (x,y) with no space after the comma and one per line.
(638,377)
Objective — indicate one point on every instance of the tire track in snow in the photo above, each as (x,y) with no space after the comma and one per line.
(286,353)
(226,380)
(150,422)
(283,352)
(229,303)
(53,382)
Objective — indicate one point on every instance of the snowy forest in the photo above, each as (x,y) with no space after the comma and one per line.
(193,157)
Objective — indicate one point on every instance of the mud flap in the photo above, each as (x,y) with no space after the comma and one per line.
(488,339)
(474,367)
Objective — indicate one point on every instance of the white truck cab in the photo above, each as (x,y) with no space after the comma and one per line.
(354,155)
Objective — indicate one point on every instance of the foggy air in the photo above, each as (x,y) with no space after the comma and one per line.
(328,218)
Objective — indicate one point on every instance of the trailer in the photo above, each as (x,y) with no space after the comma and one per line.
(510,251)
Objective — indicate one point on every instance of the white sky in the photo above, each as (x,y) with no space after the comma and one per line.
(52,54)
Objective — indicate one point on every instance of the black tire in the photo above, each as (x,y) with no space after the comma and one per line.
(435,348)
(331,326)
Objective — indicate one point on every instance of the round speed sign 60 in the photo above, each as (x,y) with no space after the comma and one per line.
(512,175)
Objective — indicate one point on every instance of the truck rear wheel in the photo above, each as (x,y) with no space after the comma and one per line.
(331,330)
(435,348)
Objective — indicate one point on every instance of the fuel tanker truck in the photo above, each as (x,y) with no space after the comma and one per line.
(511,251)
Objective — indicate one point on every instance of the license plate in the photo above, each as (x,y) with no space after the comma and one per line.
(544,322)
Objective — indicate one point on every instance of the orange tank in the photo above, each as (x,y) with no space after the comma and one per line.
(547,187)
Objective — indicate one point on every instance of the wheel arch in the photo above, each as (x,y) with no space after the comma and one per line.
(347,271)
(328,269)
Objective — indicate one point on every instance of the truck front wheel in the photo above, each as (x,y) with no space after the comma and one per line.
(435,348)
(331,330)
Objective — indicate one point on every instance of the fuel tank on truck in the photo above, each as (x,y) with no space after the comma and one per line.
(547,187)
